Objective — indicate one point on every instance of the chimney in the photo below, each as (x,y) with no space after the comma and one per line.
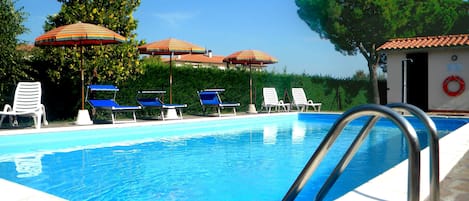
(209,53)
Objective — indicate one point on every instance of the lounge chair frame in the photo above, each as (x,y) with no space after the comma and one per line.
(302,103)
(271,101)
(156,102)
(210,98)
(27,102)
(110,104)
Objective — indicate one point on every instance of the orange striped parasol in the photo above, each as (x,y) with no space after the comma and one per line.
(79,34)
(171,47)
(249,57)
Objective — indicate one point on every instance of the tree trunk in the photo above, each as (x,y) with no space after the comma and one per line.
(374,82)
(372,60)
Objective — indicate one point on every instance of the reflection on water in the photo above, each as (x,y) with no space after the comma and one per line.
(270,134)
(298,132)
(28,166)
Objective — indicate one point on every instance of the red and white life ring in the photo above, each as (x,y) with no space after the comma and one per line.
(458,80)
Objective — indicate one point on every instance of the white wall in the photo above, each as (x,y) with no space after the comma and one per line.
(394,79)
(440,66)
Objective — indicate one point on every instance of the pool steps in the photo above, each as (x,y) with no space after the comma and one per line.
(376,112)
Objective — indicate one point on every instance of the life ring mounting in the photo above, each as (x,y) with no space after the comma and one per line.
(458,80)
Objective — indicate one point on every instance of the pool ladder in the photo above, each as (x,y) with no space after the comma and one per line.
(376,112)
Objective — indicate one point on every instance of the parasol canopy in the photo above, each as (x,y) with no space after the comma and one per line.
(79,34)
(249,57)
(171,47)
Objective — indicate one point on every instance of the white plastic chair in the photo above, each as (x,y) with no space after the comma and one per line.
(271,101)
(27,102)
(301,102)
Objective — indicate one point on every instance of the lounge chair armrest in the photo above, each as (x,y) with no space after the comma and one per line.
(44,120)
(281,102)
(310,102)
(7,108)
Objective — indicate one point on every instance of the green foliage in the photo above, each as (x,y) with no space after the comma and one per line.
(350,24)
(335,94)
(460,26)
(116,62)
(361,26)
(60,66)
(13,62)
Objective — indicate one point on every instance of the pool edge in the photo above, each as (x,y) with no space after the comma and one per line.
(452,149)
(15,192)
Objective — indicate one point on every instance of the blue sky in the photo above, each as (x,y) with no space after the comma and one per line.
(226,27)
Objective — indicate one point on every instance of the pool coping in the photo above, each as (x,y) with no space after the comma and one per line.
(12,191)
(452,149)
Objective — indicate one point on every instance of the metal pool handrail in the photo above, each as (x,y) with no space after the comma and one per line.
(375,111)
(433,146)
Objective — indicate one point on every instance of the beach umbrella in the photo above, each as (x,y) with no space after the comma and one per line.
(248,58)
(171,47)
(80,35)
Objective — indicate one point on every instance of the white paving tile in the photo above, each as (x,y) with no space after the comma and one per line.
(16,192)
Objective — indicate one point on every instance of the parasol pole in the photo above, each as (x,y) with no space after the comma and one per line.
(171,78)
(250,83)
(82,80)
(252,107)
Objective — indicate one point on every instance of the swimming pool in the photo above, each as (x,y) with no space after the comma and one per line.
(251,158)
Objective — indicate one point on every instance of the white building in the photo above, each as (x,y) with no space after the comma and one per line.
(429,72)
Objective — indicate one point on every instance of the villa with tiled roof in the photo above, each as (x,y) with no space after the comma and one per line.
(452,41)
(429,72)
(207,60)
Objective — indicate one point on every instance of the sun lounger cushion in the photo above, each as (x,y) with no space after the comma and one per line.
(212,99)
(155,102)
(110,104)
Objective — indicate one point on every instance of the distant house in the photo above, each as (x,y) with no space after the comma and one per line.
(207,60)
(429,72)
(26,49)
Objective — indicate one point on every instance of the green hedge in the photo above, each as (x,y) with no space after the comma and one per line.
(62,100)
(335,94)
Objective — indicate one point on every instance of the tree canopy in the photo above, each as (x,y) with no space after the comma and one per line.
(114,63)
(59,67)
(13,66)
(361,26)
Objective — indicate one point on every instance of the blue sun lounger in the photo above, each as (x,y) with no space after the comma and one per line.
(157,103)
(211,98)
(109,104)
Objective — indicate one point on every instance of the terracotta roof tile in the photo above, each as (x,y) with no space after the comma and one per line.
(426,42)
(198,58)
(25,47)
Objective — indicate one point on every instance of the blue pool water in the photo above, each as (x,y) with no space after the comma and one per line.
(227,159)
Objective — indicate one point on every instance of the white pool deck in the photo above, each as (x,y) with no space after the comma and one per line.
(391,185)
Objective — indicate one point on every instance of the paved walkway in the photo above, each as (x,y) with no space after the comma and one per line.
(455,186)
